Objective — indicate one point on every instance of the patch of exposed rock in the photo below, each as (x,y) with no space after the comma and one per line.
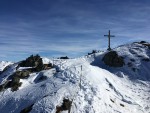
(112,59)
(35,62)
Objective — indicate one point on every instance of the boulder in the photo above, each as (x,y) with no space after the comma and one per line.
(35,62)
(31,61)
(4,86)
(15,84)
(146,45)
(1,88)
(66,57)
(66,105)
(112,59)
(27,109)
(146,59)
(93,51)
(130,64)
(39,65)
(47,66)
(142,42)
(22,74)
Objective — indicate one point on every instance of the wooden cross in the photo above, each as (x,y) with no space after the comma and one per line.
(109,39)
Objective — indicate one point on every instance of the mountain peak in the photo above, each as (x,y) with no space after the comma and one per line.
(88,83)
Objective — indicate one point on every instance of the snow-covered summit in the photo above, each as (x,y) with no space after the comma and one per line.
(136,57)
(92,86)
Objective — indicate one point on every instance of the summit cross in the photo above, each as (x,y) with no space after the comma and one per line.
(109,39)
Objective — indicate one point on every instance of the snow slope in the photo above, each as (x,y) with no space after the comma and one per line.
(103,89)
(134,54)
(3,64)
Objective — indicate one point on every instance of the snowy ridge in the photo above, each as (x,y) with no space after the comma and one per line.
(46,60)
(137,61)
(3,64)
(102,91)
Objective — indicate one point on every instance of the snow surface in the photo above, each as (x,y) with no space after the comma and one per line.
(102,90)
(3,64)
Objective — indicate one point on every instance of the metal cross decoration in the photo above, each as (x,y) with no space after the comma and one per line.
(109,39)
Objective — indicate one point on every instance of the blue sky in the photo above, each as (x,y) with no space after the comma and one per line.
(55,28)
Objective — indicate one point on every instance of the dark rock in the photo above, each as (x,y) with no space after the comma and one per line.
(21,74)
(133,60)
(146,59)
(122,105)
(27,109)
(146,45)
(139,56)
(130,64)
(66,57)
(15,84)
(14,80)
(1,88)
(93,51)
(39,65)
(142,42)
(112,100)
(31,61)
(66,105)
(42,78)
(48,66)
(113,60)
(134,69)
(36,63)
(6,85)
(31,70)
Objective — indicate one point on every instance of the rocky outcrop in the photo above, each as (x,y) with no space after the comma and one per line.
(35,62)
(14,84)
(93,51)
(146,44)
(66,57)
(143,42)
(13,81)
(112,59)
(66,105)
(21,74)
(27,109)
(31,61)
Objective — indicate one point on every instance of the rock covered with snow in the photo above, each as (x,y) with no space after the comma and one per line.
(92,86)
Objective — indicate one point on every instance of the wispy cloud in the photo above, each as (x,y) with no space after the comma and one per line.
(68,27)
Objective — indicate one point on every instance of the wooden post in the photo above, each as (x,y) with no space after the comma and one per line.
(53,62)
(80,77)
